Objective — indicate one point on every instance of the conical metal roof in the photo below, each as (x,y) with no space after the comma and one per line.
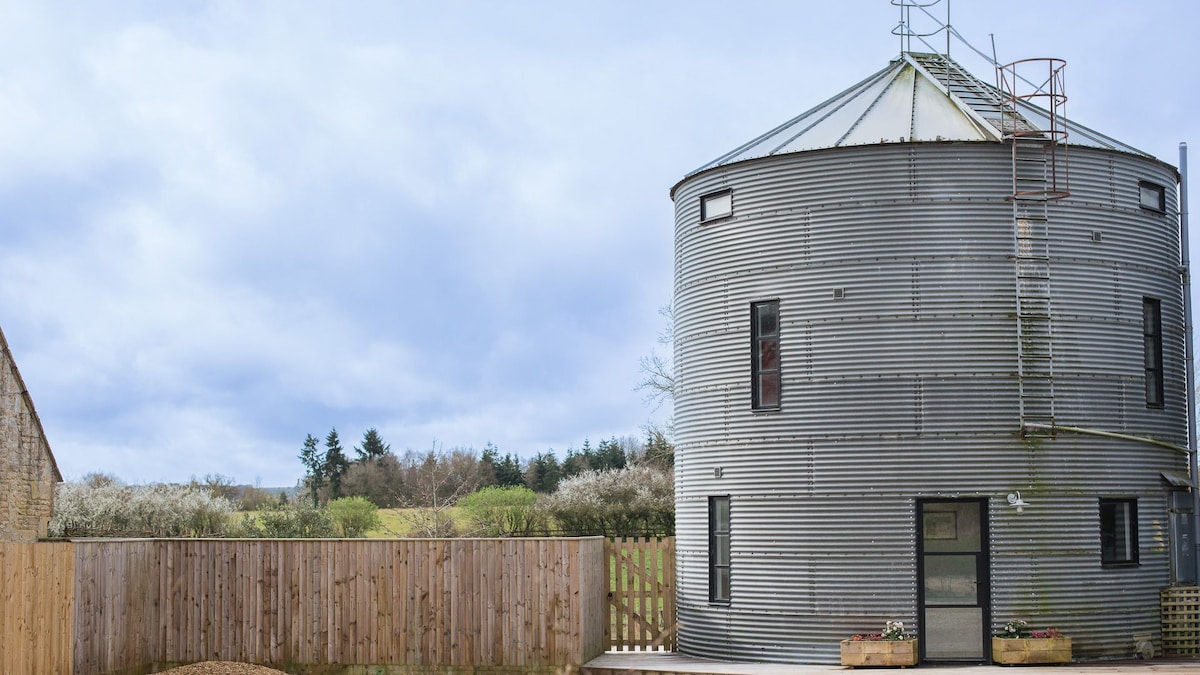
(918,97)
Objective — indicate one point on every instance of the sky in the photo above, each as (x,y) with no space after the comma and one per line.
(227,225)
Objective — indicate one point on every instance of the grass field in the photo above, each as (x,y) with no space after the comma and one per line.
(393,522)
(398,522)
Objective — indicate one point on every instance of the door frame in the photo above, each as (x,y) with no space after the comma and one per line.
(983,567)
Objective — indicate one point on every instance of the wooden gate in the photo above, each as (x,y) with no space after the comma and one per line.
(641,596)
(37,608)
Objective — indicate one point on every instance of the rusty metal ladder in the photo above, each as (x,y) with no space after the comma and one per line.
(1039,176)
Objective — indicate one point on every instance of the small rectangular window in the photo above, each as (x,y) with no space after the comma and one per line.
(1118,532)
(718,550)
(716,205)
(1152,196)
(765,377)
(1152,350)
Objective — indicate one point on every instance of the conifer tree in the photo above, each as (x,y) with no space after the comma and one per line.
(314,465)
(508,471)
(373,448)
(336,463)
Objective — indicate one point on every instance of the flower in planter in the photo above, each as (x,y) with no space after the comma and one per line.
(893,630)
(1015,628)
(1015,644)
(1019,628)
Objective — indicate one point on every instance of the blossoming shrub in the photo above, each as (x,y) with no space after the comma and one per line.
(638,500)
(107,509)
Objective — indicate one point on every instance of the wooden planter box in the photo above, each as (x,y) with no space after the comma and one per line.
(1019,651)
(891,653)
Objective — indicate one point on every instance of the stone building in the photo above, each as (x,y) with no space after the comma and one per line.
(28,472)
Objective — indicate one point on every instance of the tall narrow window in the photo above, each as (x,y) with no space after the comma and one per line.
(764,361)
(1152,350)
(718,550)
(1118,531)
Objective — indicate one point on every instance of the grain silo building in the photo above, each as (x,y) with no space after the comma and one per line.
(896,315)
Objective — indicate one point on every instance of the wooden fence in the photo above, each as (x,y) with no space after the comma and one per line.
(524,605)
(641,596)
(37,586)
(1181,620)
(129,606)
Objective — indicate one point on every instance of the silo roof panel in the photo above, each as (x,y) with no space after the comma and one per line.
(887,118)
(938,117)
(838,123)
(918,97)
(820,127)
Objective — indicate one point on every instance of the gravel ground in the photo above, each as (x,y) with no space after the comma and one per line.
(222,668)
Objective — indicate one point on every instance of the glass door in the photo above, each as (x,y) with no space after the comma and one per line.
(953,592)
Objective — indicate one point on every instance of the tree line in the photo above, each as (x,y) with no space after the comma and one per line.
(620,486)
(439,477)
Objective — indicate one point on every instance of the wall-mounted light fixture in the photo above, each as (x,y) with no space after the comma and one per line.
(1014,499)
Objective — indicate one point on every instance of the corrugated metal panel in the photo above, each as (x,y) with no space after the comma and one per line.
(903,386)
(1046,568)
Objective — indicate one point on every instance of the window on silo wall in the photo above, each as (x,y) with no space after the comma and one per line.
(716,205)
(1152,196)
(1152,350)
(1118,531)
(764,359)
(718,550)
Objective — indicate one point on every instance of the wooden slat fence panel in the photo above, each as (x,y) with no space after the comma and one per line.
(1181,621)
(641,596)
(37,590)
(466,603)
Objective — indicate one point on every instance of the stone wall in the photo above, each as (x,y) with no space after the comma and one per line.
(28,473)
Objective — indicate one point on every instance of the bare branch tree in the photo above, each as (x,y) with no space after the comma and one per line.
(438,480)
(659,372)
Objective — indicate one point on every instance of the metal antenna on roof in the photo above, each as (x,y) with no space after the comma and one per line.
(905,29)
(947,28)
(994,60)
(906,33)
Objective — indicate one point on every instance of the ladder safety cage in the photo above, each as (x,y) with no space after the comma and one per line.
(1039,176)
(1019,91)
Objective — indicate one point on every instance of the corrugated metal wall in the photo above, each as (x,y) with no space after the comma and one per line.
(902,385)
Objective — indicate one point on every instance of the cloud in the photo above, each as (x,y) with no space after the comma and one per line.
(229,225)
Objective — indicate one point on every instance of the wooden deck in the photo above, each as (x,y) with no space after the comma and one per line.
(670,663)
